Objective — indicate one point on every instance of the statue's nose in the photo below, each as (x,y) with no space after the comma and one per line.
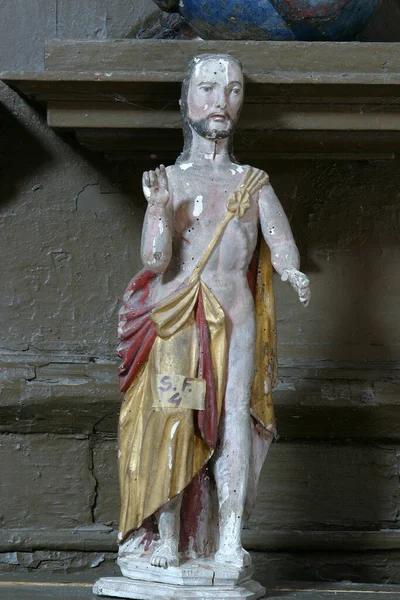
(221,101)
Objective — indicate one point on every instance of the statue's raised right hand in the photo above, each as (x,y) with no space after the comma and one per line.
(155,187)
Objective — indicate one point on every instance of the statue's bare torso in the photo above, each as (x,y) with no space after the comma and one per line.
(199,194)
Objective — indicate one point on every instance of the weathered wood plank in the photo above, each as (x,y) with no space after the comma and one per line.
(106,83)
(325,567)
(151,86)
(90,538)
(289,117)
(314,593)
(84,408)
(65,394)
(138,146)
(45,591)
(82,591)
(38,395)
(281,572)
(300,61)
(101,538)
(320,541)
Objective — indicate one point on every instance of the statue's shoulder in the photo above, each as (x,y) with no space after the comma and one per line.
(174,170)
(259,173)
(256,179)
(262,175)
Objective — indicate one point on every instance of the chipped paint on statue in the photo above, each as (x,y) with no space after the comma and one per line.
(193,314)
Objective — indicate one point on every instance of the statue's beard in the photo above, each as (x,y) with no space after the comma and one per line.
(206,128)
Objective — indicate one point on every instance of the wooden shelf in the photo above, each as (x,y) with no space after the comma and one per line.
(320,99)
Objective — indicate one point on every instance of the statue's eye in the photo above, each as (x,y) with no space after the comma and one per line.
(206,88)
(236,91)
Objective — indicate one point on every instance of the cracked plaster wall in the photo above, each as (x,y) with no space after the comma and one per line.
(70,226)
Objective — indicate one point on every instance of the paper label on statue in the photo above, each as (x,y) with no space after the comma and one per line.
(177,391)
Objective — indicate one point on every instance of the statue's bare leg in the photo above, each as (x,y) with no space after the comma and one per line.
(167,554)
(233,456)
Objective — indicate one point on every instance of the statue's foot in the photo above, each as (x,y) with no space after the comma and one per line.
(238,557)
(166,555)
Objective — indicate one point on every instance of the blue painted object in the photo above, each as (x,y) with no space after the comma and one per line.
(307,20)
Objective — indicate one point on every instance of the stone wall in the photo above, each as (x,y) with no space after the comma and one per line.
(329,500)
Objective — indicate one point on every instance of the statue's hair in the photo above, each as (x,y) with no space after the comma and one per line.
(187,131)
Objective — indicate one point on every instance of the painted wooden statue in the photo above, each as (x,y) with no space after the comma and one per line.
(198,343)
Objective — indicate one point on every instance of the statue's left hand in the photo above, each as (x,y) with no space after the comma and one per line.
(299,282)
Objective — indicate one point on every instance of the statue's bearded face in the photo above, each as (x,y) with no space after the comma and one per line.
(215,97)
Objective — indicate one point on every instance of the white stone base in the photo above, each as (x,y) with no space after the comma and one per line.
(200,571)
(122,587)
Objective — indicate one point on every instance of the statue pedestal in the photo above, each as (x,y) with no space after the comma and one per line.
(194,579)
(122,587)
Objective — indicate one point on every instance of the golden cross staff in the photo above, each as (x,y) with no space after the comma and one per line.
(237,206)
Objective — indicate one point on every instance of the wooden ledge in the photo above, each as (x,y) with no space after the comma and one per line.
(67,394)
(40,588)
(101,538)
(293,88)
(263,62)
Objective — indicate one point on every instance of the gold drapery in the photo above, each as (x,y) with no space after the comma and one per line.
(160,450)
(266,358)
